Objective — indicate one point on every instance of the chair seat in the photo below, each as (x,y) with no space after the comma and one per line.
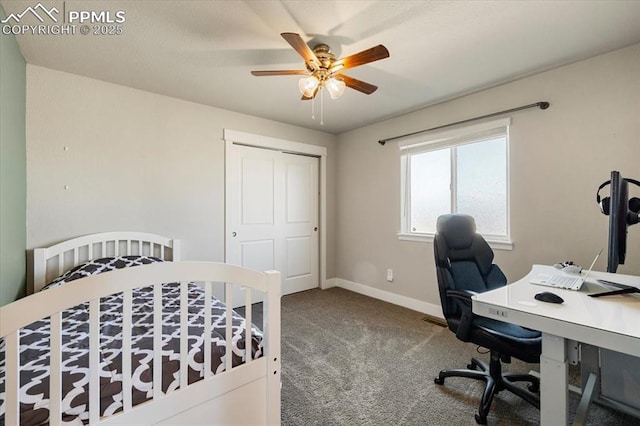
(508,339)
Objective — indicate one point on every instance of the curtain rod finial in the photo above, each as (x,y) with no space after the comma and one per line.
(544,105)
(382,142)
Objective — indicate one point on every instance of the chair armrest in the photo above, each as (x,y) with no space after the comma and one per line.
(462,298)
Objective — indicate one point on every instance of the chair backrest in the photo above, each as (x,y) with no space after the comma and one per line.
(464,260)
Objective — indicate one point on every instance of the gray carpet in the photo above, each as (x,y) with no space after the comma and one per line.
(348,359)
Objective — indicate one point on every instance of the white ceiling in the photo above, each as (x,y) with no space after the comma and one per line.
(203,51)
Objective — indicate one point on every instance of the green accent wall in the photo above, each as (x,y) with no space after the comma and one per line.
(13,170)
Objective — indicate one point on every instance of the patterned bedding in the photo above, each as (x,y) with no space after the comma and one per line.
(34,347)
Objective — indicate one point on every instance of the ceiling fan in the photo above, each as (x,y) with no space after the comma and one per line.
(324,70)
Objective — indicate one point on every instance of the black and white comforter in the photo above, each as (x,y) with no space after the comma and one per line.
(34,347)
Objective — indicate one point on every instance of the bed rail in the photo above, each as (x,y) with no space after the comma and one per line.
(52,302)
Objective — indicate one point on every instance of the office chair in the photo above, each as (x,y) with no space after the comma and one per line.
(464,266)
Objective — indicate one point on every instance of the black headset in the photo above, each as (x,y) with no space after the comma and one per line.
(605,208)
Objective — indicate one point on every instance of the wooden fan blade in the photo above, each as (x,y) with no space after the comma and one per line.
(370,55)
(279,72)
(303,50)
(358,85)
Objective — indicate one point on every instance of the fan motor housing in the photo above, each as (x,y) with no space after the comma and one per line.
(324,55)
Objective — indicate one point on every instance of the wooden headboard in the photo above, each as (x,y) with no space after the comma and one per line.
(51,262)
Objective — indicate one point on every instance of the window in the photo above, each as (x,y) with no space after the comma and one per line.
(458,171)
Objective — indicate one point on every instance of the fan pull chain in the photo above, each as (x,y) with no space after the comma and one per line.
(321,107)
(313,108)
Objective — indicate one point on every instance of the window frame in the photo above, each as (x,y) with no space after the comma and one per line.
(451,138)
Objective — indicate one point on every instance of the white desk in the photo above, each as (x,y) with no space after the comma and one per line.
(611,322)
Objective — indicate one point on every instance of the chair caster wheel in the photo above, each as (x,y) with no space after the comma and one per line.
(535,388)
(471,366)
(438,381)
(481,420)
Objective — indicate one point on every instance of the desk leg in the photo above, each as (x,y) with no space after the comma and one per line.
(554,392)
(590,371)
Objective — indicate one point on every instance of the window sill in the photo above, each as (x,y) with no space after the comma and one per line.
(428,238)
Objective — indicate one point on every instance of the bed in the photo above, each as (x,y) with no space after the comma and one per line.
(83,348)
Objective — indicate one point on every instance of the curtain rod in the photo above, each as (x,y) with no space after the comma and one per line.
(541,105)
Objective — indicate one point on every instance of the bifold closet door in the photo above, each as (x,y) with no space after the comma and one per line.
(272,218)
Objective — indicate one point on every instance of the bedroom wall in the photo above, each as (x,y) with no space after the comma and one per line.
(13,191)
(135,160)
(558,158)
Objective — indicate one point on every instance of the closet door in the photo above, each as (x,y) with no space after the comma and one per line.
(272,218)
(300,223)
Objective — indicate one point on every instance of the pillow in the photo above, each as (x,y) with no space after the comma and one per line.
(99,266)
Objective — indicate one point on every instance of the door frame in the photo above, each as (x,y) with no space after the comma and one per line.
(232,137)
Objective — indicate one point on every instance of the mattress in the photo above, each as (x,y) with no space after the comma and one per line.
(34,347)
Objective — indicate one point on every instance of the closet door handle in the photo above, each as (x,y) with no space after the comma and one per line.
(233,234)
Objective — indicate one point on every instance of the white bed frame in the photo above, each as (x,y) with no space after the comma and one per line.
(51,262)
(245,394)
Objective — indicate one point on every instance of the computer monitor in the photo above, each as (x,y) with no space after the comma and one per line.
(620,218)
(622,214)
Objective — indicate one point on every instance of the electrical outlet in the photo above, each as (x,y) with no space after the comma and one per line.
(390,275)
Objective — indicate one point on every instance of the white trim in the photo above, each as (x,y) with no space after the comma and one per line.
(508,187)
(273,143)
(331,282)
(428,238)
(233,136)
(386,296)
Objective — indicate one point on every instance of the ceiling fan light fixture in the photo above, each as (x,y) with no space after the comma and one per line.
(335,87)
(322,69)
(308,85)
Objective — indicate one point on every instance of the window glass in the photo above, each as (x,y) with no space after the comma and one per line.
(482,184)
(465,171)
(430,189)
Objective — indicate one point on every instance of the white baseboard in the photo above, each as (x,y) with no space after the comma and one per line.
(396,299)
(331,282)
